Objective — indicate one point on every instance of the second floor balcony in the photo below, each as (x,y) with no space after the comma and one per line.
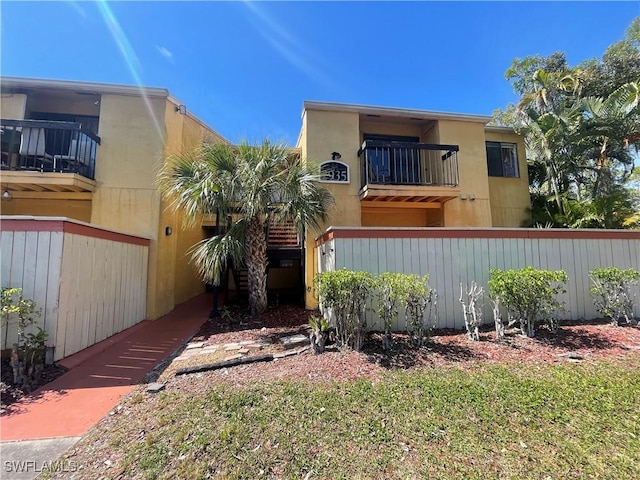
(402,171)
(64,152)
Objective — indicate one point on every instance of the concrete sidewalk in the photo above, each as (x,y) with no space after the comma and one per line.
(98,378)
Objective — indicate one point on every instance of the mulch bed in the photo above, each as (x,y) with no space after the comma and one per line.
(9,393)
(574,341)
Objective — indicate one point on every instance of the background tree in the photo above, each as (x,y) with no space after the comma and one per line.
(250,185)
(582,133)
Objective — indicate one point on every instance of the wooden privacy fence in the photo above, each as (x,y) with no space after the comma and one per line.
(451,256)
(89,282)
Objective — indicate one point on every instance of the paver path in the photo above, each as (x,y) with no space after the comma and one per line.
(99,376)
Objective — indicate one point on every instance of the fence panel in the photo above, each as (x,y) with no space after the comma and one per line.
(454,256)
(89,282)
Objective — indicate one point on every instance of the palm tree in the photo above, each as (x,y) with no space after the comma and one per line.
(251,185)
(583,143)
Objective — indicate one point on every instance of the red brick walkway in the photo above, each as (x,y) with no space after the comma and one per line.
(100,375)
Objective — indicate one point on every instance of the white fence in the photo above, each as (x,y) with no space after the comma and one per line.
(454,256)
(88,282)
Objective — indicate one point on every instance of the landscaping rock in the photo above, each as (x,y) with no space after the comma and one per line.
(290,353)
(572,356)
(294,341)
(155,387)
(194,345)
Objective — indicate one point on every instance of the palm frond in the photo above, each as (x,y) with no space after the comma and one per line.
(210,256)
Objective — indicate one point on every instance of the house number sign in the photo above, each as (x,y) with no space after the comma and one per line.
(333,171)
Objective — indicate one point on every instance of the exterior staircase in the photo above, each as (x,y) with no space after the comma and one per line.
(282,235)
(283,241)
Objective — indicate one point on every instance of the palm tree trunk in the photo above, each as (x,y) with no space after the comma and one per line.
(256,259)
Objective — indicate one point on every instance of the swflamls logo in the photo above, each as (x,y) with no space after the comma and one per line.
(58,466)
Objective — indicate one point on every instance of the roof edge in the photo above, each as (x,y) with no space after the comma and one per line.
(394,111)
(177,102)
(93,87)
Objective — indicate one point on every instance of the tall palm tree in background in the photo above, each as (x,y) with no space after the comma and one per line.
(250,185)
(581,150)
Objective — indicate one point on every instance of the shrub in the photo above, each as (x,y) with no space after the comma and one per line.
(611,290)
(472,309)
(421,308)
(392,289)
(345,293)
(28,354)
(320,329)
(529,295)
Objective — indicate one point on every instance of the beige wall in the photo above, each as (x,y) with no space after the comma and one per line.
(127,161)
(76,209)
(13,105)
(510,200)
(472,171)
(184,139)
(323,133)
(406,217)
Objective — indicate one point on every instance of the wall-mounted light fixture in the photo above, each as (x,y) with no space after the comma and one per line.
(6,195)
(181,109)
(168,231)
(335,156)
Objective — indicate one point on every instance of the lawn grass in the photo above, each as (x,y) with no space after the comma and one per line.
(533,421)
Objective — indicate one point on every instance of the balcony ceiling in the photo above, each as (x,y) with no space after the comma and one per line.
(407,196)
(33,182)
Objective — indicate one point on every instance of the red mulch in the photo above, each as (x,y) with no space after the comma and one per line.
(445,348)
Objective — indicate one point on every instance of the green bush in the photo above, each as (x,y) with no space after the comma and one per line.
(529,295)
(28,355)
(392,290)
(420,305)
(611,290)
(345,293)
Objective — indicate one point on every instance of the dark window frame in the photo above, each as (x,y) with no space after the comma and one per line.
(502,159)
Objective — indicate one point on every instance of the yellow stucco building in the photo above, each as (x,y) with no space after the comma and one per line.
(390,167)
(91,152)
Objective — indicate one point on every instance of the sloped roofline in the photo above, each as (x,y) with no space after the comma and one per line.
(394,112)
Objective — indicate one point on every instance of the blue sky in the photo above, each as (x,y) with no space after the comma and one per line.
(246,68)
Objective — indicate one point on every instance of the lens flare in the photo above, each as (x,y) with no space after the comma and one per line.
(130,57)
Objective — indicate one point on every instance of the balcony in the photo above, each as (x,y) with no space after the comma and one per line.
(48,156)
(414,173)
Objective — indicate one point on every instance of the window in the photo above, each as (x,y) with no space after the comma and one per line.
(502,159)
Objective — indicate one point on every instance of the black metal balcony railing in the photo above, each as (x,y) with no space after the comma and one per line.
(48,146)
(406,163)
